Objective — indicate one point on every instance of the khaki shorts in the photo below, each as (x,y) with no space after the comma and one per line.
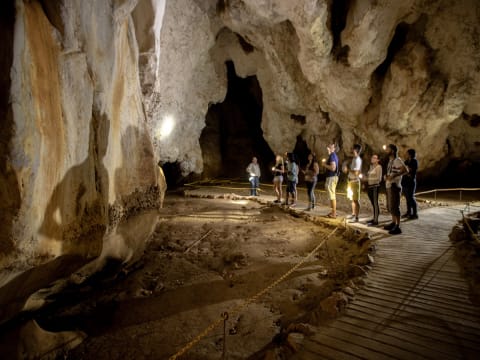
(331,186)
(355,186)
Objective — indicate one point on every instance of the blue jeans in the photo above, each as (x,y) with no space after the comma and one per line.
(254,182)
(311,192)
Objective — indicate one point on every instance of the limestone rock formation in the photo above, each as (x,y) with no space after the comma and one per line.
(370,72)
(77,159)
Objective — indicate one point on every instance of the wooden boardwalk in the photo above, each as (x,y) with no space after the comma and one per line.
(415,304)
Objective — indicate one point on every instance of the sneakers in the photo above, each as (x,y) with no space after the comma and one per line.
(413,217)
(389,226)
(406,215)
(372,223)
(353,220)
(349,217)
(395,231)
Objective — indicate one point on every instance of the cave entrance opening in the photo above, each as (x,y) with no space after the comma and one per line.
(173,174)
(233,132)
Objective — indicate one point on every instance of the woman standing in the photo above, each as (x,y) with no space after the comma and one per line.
(311,171)
(374,177)
(278,170)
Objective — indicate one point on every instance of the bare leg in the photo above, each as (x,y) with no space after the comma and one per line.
(333,204)
(355,207)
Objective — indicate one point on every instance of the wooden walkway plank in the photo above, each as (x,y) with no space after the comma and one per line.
(351,348)
(407,301)
(421,296)
(430,339)
(389,316)
(397,339)
(429,291)
(417,328)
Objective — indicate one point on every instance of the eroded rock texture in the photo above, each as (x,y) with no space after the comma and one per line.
(373,72)
(77,162)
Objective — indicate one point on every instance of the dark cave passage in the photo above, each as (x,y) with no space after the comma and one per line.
(233,133)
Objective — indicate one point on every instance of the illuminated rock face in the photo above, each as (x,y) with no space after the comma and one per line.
(99,92)
(78,157)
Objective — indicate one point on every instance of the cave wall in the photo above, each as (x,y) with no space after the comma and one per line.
(403,72)
(79,158)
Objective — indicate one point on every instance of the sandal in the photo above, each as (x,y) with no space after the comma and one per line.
(331,216)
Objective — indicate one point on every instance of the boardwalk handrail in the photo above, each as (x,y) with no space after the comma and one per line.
(434,191)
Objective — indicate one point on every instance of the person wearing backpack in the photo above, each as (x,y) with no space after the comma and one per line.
(331,181)
(311,171)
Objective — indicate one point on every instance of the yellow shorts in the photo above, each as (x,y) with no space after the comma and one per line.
(355,187)
(331,186)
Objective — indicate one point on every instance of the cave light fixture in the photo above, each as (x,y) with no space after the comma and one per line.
(165,128)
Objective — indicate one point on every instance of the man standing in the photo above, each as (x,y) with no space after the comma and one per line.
(393,180)
(253,169)
(354,171)
(331,181)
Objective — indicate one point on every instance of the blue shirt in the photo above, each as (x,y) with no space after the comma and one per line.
(332,158)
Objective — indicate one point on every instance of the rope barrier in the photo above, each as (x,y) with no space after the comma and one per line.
(239,308)
(208,182)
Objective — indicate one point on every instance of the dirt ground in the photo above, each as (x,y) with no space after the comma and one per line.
(208,257)
(275,273)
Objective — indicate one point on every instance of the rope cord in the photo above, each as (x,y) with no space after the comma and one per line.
(239,308)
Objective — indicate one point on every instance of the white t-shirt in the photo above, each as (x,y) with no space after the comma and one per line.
(395,166)
(356,165)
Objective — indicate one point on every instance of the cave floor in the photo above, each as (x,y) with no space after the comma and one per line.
(216,251)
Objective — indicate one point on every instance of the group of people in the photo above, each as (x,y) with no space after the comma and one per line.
(287,167)
(400,175)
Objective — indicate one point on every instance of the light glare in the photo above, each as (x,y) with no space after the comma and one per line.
(166,128)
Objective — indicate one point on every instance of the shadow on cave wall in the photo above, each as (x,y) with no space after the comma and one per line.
(233,133)
(71,218)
